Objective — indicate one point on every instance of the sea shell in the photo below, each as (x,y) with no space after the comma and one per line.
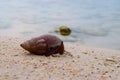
(44,45)
(64,30)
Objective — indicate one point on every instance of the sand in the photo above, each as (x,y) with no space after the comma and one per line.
(78,63)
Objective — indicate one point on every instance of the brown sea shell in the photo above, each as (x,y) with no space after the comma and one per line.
(44,45)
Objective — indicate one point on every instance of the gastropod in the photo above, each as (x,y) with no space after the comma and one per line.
(44,45)
(64,30)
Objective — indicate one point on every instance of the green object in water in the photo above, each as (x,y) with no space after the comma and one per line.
(64,30)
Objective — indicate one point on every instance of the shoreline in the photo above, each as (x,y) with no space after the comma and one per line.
(80,62)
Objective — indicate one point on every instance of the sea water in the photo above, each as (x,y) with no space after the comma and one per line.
(93,22)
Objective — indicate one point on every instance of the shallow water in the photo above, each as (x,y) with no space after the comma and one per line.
(93,23)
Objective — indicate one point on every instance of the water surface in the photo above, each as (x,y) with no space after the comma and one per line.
(94,22)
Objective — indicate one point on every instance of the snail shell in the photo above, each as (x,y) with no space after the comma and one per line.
(44,45)
(64,30)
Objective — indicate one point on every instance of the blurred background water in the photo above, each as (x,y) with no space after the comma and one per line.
(93,22)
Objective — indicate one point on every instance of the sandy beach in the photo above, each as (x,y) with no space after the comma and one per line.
(78,63)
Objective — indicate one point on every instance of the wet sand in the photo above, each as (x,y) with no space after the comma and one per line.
(78,63)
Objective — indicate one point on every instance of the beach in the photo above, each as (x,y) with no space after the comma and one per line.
(77,63)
